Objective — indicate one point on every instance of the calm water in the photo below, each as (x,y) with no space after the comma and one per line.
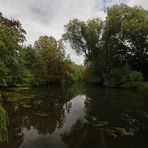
(76,117)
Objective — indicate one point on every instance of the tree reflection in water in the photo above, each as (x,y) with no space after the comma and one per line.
(113,119)
(40,109)
(97,117)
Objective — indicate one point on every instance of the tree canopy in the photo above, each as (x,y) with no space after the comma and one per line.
(42,63)
(112,44)
(112,48)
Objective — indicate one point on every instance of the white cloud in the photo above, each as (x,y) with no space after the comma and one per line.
(48,17)
(143,3)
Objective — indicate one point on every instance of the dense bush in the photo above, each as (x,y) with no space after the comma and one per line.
(3,124)
(133,79)
(123,78)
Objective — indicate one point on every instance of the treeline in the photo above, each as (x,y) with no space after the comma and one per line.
(115,50)
(43,63)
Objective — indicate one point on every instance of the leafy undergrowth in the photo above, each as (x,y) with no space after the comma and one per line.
(3,125)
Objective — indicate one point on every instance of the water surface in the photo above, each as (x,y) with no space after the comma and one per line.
(76,116)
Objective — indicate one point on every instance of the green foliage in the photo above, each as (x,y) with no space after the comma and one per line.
(108,46)
(84,37)
(49,64)
(11,35)
(123,78)
(3,125)
(132,80)
(78,73)
(71,71)
(125,37)
(41,64)
(3,74)
(39,71)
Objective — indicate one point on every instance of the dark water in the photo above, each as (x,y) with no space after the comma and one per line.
(76,116)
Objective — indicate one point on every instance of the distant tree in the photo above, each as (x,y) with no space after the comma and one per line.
(52,55)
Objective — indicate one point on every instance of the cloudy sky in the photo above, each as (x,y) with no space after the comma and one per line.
(48,17)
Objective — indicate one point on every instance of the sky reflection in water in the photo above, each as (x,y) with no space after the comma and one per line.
(76,117)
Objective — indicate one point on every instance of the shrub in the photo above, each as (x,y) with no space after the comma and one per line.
(123,78)
(3,124)
(131,80)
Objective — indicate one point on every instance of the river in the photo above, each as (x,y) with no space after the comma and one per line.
(76,116)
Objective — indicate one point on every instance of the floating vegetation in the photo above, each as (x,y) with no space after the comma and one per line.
(26,106)
(97,123)
(116,132)
(104,126)
(121,131)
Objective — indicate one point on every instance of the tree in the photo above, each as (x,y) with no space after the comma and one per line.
(11,36)
(52,55)
(41,64)
(125,37)
(85,38)
(118,41)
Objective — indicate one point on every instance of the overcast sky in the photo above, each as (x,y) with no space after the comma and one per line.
(48,17)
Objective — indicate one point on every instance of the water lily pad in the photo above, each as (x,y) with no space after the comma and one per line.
(121,131)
